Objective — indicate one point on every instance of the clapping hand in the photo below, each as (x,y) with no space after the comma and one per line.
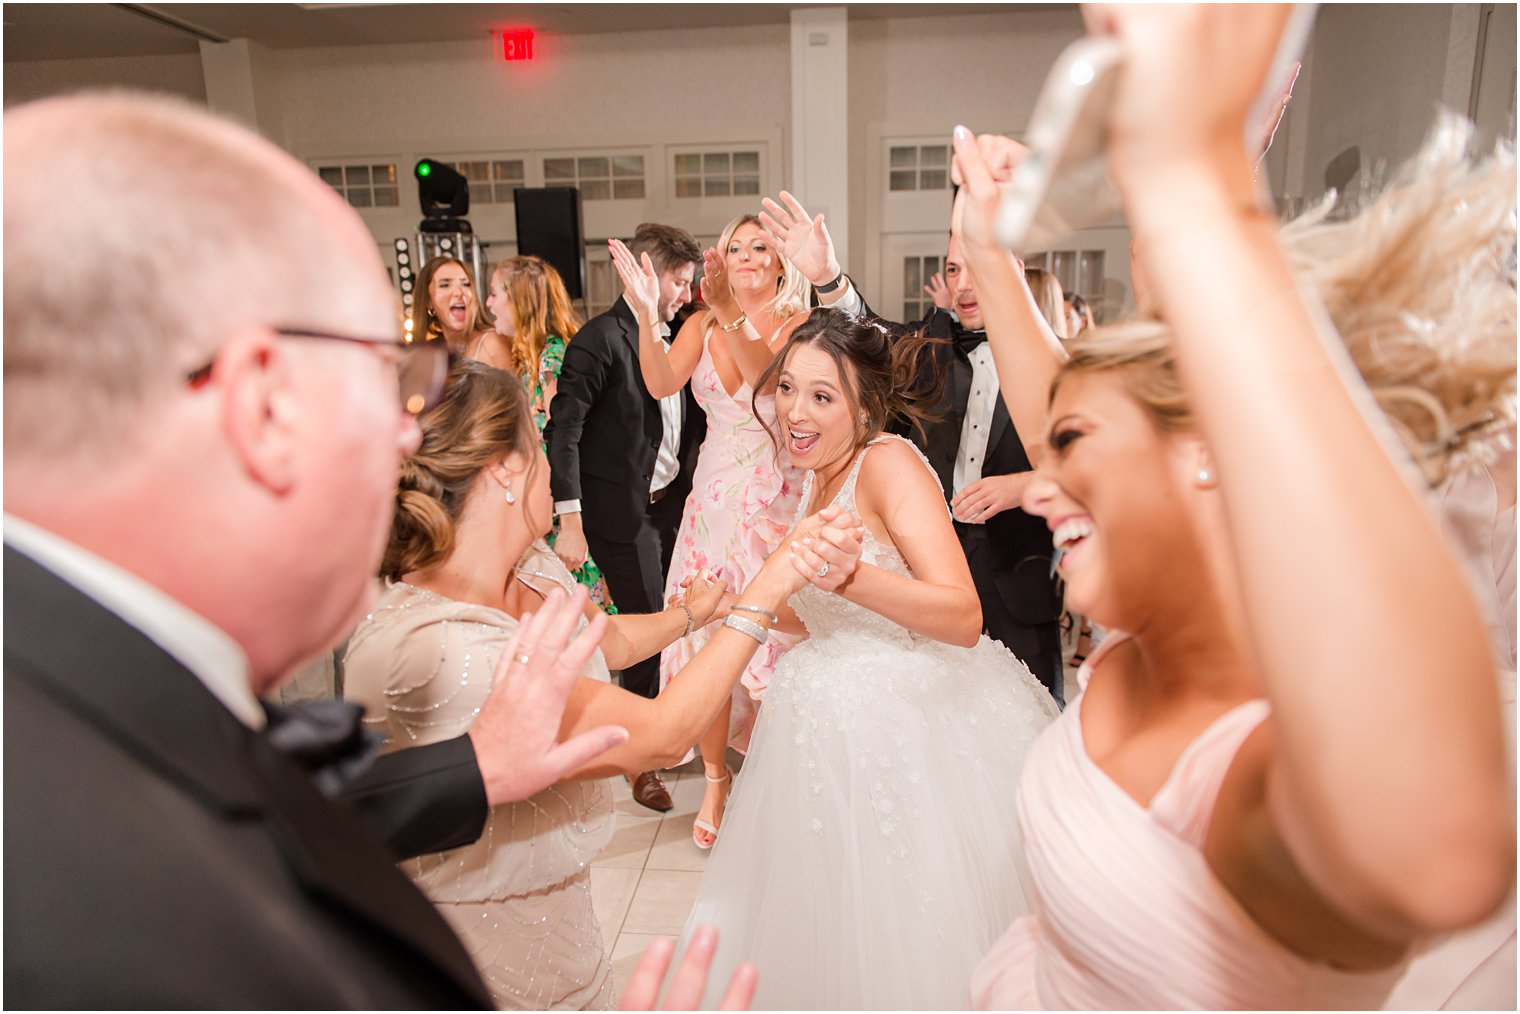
(641,283)
(690,980)
(516,734)
(717,293)
(803,240)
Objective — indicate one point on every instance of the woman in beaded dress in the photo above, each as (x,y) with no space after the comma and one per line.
(870,854)
(465,561)
(743,492)
(1286,768)
(533,322)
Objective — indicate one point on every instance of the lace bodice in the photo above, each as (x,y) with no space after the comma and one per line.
(828,615)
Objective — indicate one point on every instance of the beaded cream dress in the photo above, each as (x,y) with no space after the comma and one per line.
(520,896)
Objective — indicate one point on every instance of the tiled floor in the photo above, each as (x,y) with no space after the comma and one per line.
(646,882)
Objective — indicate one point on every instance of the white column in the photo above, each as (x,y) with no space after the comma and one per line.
(242,83)
(820,121)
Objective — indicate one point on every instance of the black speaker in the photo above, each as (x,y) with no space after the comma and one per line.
(549,226)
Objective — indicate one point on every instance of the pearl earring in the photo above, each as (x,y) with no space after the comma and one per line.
(1204,475)
(510,498)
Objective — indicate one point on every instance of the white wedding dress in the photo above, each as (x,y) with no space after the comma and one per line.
(870,855)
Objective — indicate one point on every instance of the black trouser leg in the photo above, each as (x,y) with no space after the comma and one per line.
(635,579)
(1037,645)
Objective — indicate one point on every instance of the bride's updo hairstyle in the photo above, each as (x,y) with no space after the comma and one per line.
(482,418)
(885,379)
(1420,286)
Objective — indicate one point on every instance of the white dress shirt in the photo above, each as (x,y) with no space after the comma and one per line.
(195,642)
(972,454)
(667,461)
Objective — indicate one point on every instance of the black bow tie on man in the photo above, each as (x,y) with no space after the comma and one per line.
(325,738)
(965,341)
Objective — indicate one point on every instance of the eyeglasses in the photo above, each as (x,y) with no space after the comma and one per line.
(422,367)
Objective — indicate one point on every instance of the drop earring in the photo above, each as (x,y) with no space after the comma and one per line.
(510,498)
(1204,475)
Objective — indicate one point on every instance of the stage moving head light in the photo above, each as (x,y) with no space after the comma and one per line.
(445,196)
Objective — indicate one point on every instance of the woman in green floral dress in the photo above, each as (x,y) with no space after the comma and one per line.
(533,322)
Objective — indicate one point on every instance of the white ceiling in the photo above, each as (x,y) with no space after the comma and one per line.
(92,30)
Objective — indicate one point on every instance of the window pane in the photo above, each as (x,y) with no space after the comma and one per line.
(717,187)
(1090,273)
(904,179)
(1063,264)
(356,174)
(746,185)
(359,198)
(688,188)
(480,193)
(746,162)
(332,175)
(688,165)
(383,173)
(628,189)
(386,197)
(933,179)
(504,192)
(596,190)
(913,280)
(628,165)
(591,167)
(715,162)
(559,169)
(510,170)
(931,266)
(936,155)
(904,157)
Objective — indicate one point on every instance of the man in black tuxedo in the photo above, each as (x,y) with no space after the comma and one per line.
(982,464)
(620,462)
(202,440)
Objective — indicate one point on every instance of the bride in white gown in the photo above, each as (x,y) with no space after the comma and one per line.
(870,854)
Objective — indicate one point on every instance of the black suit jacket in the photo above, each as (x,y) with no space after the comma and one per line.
(1021,542)
(158,853)
(604,429)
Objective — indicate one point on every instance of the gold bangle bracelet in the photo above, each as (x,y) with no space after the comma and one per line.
(737,323)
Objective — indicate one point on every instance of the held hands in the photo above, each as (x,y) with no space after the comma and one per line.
(989,496)
(641,283)
(825,548)
(516,733)
(717,293)
(690,980)
(803,240)
(704,594)
(570,543)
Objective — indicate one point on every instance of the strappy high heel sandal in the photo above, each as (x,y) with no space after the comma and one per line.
(702,825)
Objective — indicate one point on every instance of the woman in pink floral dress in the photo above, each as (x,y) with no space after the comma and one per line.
(742,497)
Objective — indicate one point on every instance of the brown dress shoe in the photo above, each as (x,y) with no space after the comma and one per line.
(649,791)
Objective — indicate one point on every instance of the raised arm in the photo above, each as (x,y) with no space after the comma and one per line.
(1025,351)
(664,372)
(804,240)
(1388,781)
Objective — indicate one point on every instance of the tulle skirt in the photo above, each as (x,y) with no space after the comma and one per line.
(870,855)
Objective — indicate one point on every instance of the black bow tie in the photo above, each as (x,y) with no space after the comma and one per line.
(966,342)
(323,737)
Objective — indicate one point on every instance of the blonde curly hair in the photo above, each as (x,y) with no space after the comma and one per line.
(1420,285)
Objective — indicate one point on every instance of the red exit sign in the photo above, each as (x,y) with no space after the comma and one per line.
(516,44)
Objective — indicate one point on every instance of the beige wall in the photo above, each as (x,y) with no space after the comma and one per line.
(35,79)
